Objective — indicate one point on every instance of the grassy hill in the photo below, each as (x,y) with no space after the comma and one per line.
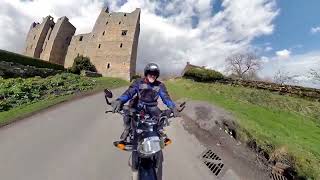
(26,60)
(277,123)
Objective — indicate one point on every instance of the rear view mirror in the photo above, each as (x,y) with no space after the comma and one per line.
(108,93)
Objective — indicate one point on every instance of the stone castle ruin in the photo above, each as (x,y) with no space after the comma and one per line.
(111,45)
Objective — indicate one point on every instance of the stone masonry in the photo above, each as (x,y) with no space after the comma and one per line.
(48,40)
(111,45)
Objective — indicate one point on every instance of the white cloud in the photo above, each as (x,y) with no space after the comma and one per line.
(283,54)
(265,59)
(315,30)
(299,64)
(167,35)
(268,49)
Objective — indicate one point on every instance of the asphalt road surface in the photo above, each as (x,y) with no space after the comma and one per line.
(73,141)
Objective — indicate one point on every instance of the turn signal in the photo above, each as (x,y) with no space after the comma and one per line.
(168,141)
(121,146)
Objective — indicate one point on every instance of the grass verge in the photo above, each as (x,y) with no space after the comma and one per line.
(276,122)
(27,109)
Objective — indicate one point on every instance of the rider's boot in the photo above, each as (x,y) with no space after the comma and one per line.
(126,131)
(124,135)
(164,136)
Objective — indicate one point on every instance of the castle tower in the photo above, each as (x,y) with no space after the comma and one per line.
(112,45)
(57,41)
(36,37)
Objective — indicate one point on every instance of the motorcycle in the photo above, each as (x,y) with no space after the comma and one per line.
(147,140)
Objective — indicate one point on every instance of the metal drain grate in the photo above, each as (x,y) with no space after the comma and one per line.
(277,176)
(212,161)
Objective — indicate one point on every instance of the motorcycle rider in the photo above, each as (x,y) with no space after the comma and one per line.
(148,90)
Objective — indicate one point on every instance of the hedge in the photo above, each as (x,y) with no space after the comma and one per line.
(25,60)
(203,75)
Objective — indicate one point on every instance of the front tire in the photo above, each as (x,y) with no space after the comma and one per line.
(147,170)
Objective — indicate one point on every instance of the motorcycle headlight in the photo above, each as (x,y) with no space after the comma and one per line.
(150,145)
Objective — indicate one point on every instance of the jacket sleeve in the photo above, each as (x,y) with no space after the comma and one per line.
(130,92)
(163,93)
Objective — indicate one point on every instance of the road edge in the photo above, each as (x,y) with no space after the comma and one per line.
(72,97)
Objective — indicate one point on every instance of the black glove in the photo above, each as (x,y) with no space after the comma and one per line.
(175,112)
(116,105)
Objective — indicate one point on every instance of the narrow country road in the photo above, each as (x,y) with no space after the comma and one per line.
(73,141)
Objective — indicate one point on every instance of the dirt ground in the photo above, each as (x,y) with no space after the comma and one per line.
(216,129)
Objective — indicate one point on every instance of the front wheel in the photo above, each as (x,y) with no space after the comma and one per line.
(147,169)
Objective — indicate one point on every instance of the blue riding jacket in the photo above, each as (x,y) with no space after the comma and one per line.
(148,93)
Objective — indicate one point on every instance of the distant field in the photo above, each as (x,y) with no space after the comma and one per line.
(20,97)
(284,122)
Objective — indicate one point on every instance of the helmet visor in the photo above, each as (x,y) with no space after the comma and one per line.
(153,73)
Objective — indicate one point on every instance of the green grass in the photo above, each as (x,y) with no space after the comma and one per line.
(281,121)
(28,108)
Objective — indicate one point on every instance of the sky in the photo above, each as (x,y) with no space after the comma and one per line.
(284,33)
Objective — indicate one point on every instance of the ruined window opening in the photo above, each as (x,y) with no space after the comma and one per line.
(124,32)
(125,14)
(108,66)
(81,37)
(107,23)
(78,55)
(50,31)
(119,22)
(99,46)
(121,45)
(103,33)
(34,37)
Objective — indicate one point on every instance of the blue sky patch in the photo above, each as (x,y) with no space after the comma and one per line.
(293,27)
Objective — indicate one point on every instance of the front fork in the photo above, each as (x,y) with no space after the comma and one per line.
(157,161)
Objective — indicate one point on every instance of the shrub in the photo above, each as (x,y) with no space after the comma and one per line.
(203,75)
(25,60)
(19,91)
(137,76)
(14,70)
(82,63)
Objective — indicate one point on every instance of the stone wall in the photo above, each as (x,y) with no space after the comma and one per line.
(304,92)
(112,44)
(57,41)
(36,37)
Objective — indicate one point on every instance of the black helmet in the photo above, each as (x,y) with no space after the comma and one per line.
(152,68)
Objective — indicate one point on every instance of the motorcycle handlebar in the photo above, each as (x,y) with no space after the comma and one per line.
(108,94)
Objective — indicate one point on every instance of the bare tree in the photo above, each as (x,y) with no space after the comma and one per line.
(283,77)
(315,75)
(243,65)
